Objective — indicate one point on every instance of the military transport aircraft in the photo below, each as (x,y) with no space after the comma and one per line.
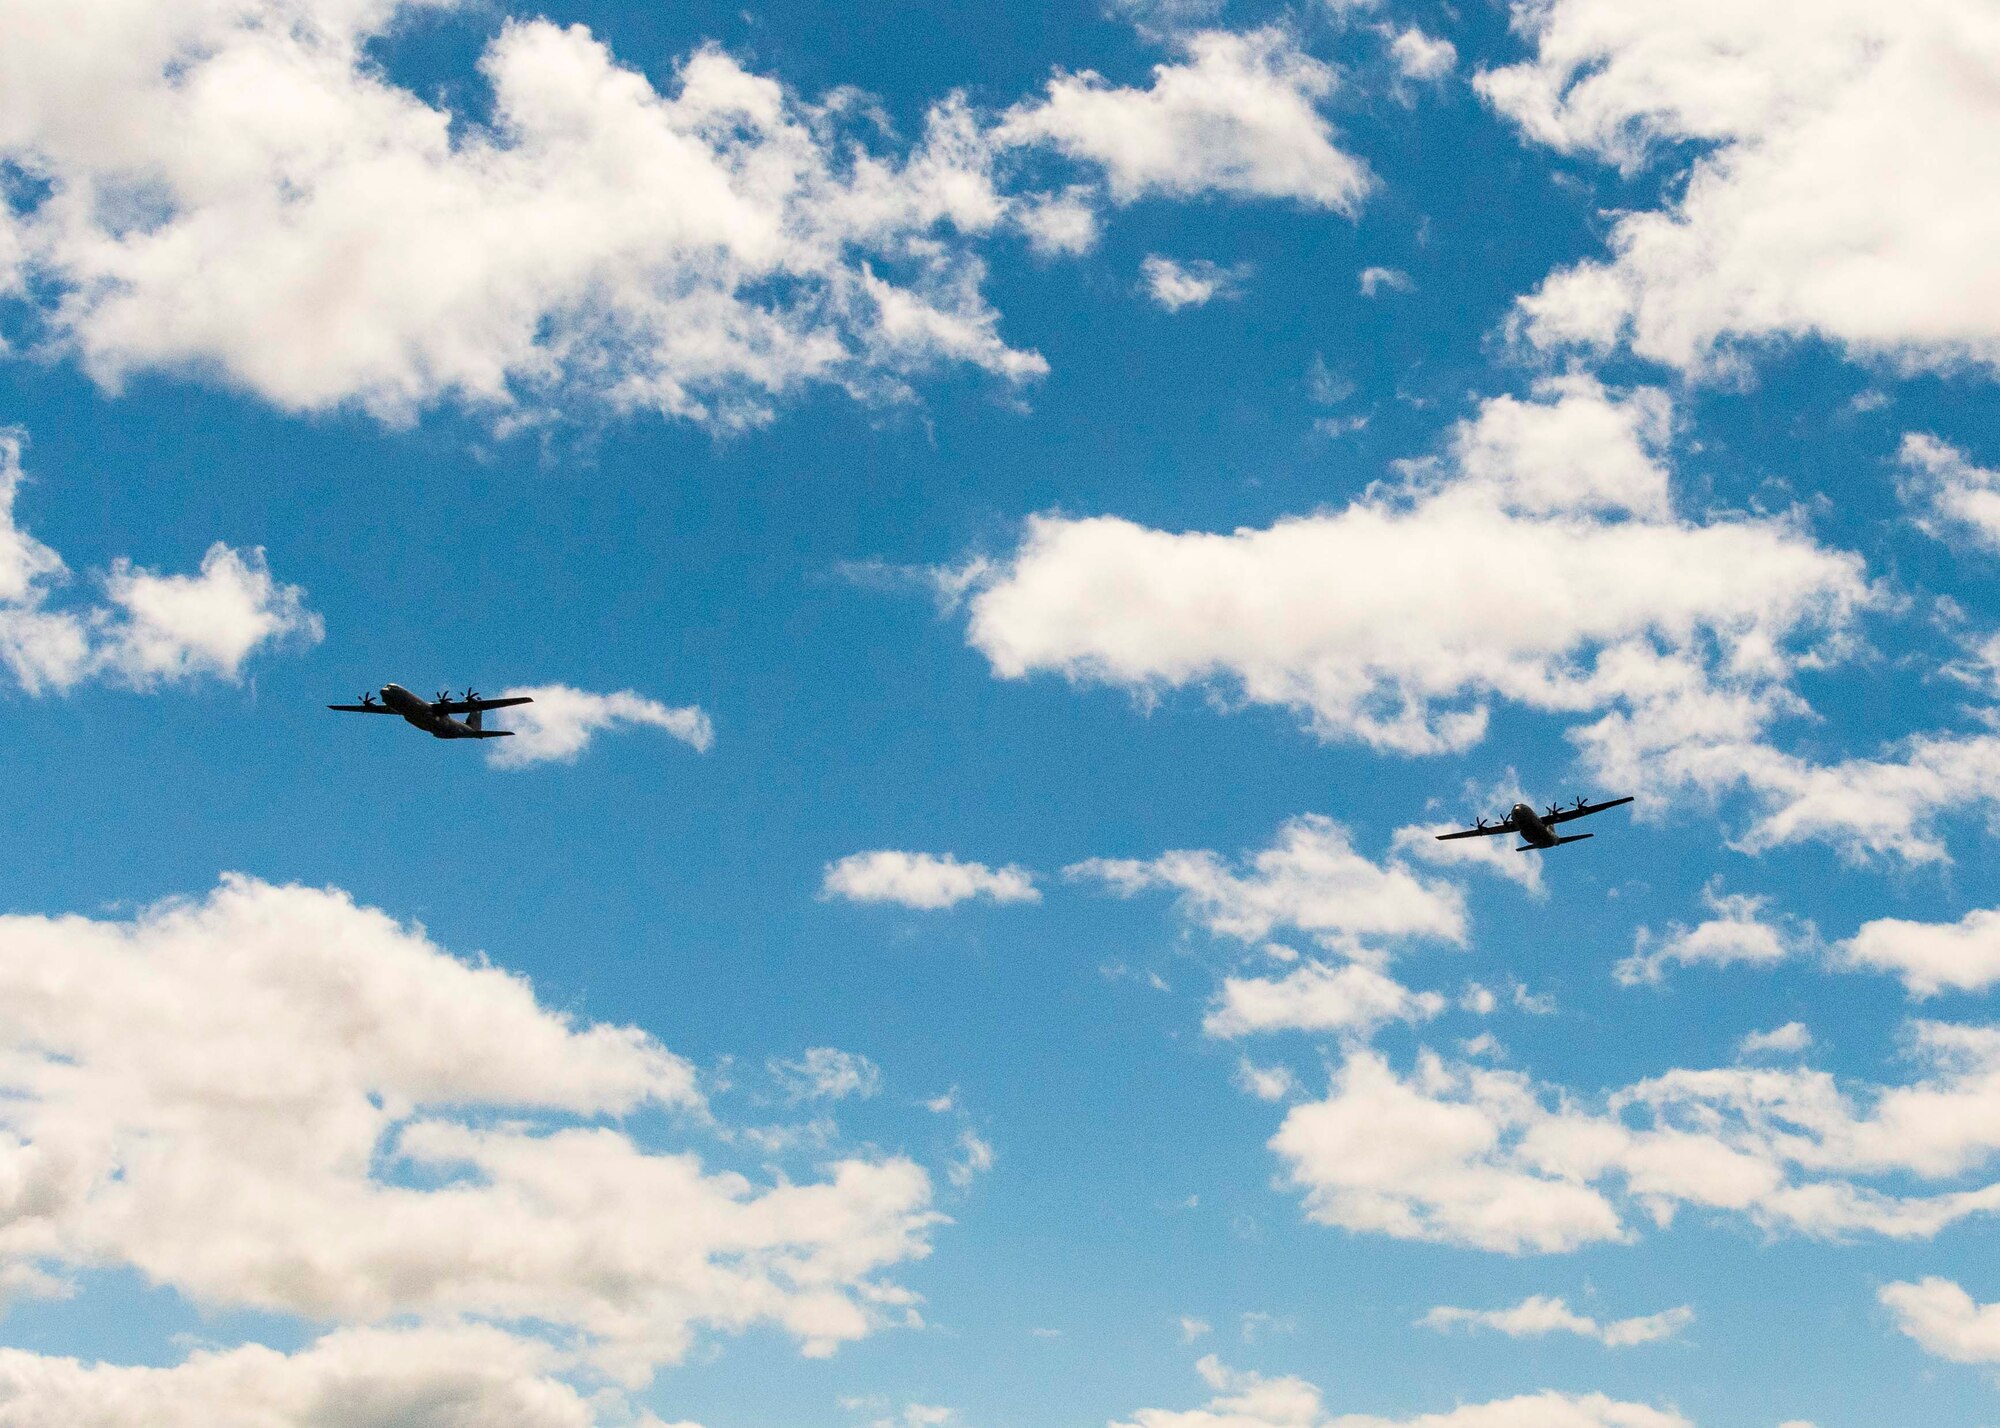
(434,716)
(1537,830)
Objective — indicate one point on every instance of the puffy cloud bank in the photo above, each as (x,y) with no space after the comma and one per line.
(1310,879)
(273,1098)
(1538,562)
(1467,1155)
(239,187)
(458,1377)
(1847,186)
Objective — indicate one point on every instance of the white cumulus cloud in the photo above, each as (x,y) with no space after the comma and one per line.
(1395,280)
(1174,286)
(1739,932)
(272,1098)
(1945,1320)
(928,881)
(1540,1315)
(1398,620)
(150,628)
(1951,497)
(1846,185)
(1352,998)
(562,721)
(268,207)
(1469,1155)
(1250,1400)
(1311,879)
(460,1376)
(1793,1036)
(1422,56)
(1930,957)
(1237,115)
(826,1073)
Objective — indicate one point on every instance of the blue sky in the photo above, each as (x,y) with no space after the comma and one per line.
(1019,526)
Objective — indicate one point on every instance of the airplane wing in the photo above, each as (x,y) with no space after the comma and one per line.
(470,706)
(1582,810)
(1485,830)
(361,708)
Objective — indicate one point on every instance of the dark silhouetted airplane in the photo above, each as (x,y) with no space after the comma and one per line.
(434,716)
(1537,830)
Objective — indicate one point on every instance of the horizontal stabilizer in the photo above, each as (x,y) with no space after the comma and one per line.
(1573,838)
(509,733)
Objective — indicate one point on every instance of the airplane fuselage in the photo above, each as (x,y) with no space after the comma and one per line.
(1526,821)
(419,712)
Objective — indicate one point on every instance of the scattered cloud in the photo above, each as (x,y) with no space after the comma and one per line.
(449,1376)
(1950,497)
(1377,280)
(1423,57)
(1310,879)
(1266,1083)
(1255,1323)
(1539,1316)
(1376,622)
(1192,1329)
(1845,187)
(1499,856)
(150,629)
(369,246)
(562,722)
(975,1158)
(1249,1400)
(1792,1037)
(1865,807)
(1353,999)
(928,881)
(271,1098)
(1476,1156)
(1326,387)
(1945,1320)
(827,1074)
(1237,115)
(1177,285)
(1739,932)
(1930,957)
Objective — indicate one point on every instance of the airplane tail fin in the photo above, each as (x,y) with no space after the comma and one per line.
(472,720)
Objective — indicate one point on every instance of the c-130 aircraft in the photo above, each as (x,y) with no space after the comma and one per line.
(1537,830)
(434,716)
